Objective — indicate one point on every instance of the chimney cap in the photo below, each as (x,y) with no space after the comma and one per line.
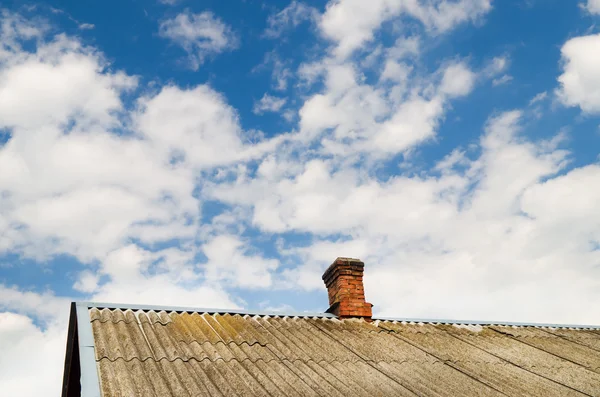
(338,263)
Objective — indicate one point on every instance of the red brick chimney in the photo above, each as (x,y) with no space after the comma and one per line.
(344,282)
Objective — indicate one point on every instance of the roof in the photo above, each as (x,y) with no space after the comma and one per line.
(152,351)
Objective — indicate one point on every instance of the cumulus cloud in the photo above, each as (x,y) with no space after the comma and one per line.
(593,6)
(496,70)
(380,120)
(15,29)
(290,17)
(580,80)
(458,80)
(201,35)
(280,70)
(497,65)
(112,185)
(137,275)
(227,262)
(268,103)
(20,338)
(397,72)
(538,98)
(184,122)
(340,24)
(75,186)
(491,231)
(396,67)
(60,80)
(477,234)
(502,80)
(78,187)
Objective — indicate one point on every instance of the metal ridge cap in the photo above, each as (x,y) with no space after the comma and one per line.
(123,306)
(471,322)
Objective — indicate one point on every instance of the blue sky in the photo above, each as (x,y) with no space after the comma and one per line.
(222,154)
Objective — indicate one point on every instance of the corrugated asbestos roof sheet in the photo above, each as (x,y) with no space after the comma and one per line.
(170,353)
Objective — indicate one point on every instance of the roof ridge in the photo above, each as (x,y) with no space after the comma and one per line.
(477,322)
(262,313)
(158,308)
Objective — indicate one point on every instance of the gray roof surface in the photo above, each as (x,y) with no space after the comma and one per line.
(213,353)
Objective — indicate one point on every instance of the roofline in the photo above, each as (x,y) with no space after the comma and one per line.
(71,349)
(123,306)
(471,322)
(90,382)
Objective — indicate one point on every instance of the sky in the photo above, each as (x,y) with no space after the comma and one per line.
(204,154)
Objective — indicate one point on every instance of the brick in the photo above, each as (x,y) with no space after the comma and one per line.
(344,282)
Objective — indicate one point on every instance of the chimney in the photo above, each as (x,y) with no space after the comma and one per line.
(344,282)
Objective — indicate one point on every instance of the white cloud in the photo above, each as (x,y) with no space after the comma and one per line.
(396,64)
(442,15)
(87,282)
(496,66)
(281,76)
(27,350)
(228,263)
(538,98)
(505,78)
(496,71)
(61,80)
(479,241)
(280,70)
(88,176)
(74,196)
(490,233)
(21,340)
(593,6)
(405,46)
(402,110)
(86,26)
(265,305)
(185,123)
(580,81)
(341,23)
(136,274)
(379,120)
(458,80)
(44,306)
(201,35)
(396,72)
(291,16)
(268,103)
(14,28)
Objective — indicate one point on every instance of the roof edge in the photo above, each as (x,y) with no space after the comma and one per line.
(122,306)
(471,322)
(71,351)
(90,381)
